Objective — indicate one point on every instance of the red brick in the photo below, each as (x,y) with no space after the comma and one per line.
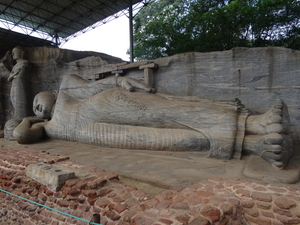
(60,194)
(282,212)
(65,190)
(117,199)
(77,213)
(234,201)
(183,219)
(146,205)
(137,193)
(59,216)
(81,184)
(87,215)
(199,221)
(263,205)
(247,204)
(257,220)
(243,193)
(204,193)
(49,192)
(104,192)
(259,188)
(128,215)
(16,192)
(71,182)
(83,207)
(123,223)
(112,215)
(166,195)
(211,212)
(180,206)
(165,221)
(46,213)
(51,199)
(251,212)
(92,185)
(70,197)
(42,197)
(163,205)
(63,203)
(277,190)
(100,182)
(287,220)
(120,208)
(224,222)
(194,200)
(16,179)
(102,202)
(267,214)
(31,208)
(23,205)
(178,198)
(36,217)
(260,196)
(111,176)
(74,192)
(284,203)
(89,193)
(91,201)
(27,222)
(81,199)
(227,209)
(139,220)
(73,205)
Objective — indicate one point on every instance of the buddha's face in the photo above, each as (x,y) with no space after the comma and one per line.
(43,104)
(17,53)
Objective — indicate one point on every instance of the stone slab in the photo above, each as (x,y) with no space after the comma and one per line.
(256,168)
(51,175)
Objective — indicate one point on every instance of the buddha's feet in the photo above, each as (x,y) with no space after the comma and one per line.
(274,148)
(275,120)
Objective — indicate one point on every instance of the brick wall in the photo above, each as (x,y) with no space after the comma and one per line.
(214,201)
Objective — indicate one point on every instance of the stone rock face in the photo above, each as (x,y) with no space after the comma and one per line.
(257,76)
(49,65)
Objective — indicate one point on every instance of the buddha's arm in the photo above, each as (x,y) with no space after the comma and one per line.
(28,131)
(80,88)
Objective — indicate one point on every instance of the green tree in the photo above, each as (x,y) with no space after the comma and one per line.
(168,27)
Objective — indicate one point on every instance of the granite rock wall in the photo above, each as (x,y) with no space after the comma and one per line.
(257,76)
(49,65)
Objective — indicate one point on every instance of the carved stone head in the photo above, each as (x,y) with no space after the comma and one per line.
(43,104)
(18,53)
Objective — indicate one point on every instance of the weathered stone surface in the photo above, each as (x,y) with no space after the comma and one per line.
(52,176)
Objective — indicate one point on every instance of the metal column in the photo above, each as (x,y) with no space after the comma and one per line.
(131,31)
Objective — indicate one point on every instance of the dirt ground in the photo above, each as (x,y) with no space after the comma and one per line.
(153,171)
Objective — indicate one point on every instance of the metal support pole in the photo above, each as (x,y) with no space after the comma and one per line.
(96,218)
(56,40)
(131,31)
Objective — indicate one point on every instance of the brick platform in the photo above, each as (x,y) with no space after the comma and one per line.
(213,201)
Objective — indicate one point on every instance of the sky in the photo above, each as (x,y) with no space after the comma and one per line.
(111,38)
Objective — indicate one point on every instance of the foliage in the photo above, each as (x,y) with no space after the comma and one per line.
(168,27)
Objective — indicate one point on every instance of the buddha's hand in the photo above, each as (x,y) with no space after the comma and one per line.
(130,84)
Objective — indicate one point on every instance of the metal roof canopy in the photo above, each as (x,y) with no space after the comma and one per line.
(60,20)
(10,39)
